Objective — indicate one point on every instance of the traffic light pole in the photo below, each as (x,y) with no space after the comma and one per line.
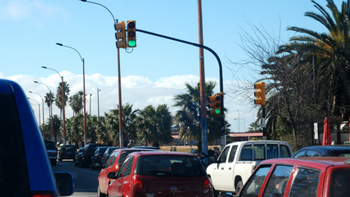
(222,133)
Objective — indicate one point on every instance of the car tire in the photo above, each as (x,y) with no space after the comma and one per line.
(75,164)
(53,162)
(92,167)
(60,159)
(239,187)
(99,194)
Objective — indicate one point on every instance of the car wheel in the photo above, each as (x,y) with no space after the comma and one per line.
(92,166)
(99,194)
(75,163)
(60,159)
(53,162)
(239,187)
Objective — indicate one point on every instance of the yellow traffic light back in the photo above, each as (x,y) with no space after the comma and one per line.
(131,29)
(120,34)
(260,94)
(215,106)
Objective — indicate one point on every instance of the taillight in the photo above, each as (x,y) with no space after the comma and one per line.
(138,185)
(206,186)
(43,194)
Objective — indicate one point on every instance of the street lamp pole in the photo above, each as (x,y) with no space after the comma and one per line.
(98,102)
(63,110)
(119,80)
(84,100)
(90,105)
(38,110)
(52,137)
(43,113)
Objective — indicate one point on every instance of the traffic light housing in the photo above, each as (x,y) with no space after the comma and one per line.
(120,34)
(260,94)
(215,104)
(131,29)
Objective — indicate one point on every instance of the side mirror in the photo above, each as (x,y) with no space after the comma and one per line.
(65,183)
(111,175)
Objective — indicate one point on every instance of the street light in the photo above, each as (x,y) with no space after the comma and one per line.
(52,137)
(119,80)
(43,113)
(84,100)
(38,110)
(90,104)
(98,102)
(63,111)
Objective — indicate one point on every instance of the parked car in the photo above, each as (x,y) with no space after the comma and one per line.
(25,168)
(108,152)
(51,151)
(237,161)
(151,147)
(302,177)
(88,153)
(67,152)
(96,159)
(323,151)
(113,164)
(160,173)
(78,159)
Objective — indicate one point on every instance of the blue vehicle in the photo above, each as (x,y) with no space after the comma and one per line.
(25,168)
(323,151)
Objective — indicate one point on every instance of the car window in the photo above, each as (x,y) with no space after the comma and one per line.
(278,181)
(340,185)
(253,186)
(50,145)
(311,153)
(272,151)
(305,183)
(232,154)
(120,172)
(223,155)
(102,150)
(169,166)
(259,151)
(246,154)
(128,167)
(284,152)
(69,148)
(14,177)
(300,154)
(115,155)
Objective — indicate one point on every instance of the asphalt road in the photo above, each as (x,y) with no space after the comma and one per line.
(85,179)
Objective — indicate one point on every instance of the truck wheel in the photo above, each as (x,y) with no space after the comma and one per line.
(239,187)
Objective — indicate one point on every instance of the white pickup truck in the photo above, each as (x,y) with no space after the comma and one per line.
(237,161)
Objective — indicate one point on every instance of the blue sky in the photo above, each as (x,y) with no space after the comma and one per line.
(157,68)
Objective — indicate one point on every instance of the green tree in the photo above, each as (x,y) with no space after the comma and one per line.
(58,100)
(154,125)
(76,102)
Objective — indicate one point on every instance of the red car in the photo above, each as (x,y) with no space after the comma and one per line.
(301,177)
(160,173)
(113,164)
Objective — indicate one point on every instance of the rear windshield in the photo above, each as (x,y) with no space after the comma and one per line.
(111,150)
(126,153)
(14,177)
(69,148)
(169,166)
(92,148)
(340,153)
(102,150)
(340,183)
(49,145)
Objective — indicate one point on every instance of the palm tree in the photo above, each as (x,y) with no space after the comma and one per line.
(59,95)
(189,118)
(49,101)
(76,102)
(332,50)
(154,125)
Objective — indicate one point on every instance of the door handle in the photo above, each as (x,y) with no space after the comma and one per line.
(222,168)
(229,168)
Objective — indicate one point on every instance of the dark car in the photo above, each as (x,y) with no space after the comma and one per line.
(96,159)
(67,151)
(150,147)
(88,153)
(160,173)
(323,151)
(108,152)
(25,168)
(51,151)
(78,161)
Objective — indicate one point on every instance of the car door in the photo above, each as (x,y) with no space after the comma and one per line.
(115,188)
(103,174)
(127,180)
(219,171)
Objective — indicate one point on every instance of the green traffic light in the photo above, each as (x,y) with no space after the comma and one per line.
(217,111)
(132,43)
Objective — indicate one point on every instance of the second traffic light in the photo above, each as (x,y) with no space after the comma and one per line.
(131,30)
(215,105)
(120,34)
(259,93)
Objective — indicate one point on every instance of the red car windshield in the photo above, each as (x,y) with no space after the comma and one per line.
(169,166)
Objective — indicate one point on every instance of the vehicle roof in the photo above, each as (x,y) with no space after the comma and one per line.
(330,161)
(327,147)
(259,141)
(163,153)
